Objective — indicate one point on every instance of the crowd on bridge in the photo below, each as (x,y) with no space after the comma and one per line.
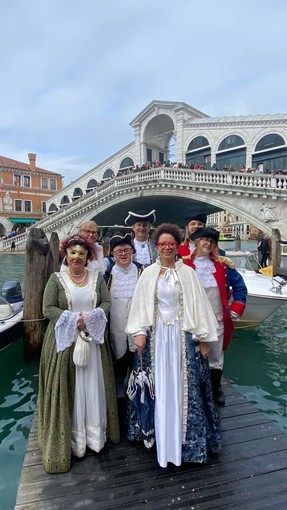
(259,169)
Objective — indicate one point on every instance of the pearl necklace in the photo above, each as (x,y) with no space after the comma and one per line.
(80,282)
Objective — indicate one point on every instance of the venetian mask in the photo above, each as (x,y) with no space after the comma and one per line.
(77,252)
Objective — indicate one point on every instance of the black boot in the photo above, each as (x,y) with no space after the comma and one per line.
(218,395)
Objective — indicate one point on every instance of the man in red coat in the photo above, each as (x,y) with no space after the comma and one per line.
(193,221)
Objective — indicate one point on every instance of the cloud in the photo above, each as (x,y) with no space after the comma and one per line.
(74,74)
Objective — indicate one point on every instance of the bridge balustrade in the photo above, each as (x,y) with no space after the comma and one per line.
(197,178)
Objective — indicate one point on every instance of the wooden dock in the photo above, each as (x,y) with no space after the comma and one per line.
(250,473)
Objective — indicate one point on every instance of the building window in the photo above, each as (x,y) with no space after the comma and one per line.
(53,186)
(26,181)
(197,143)
(78,193)
(149,155)
(17,180)
(27,206)
(92,184)
(230,142)
(65,200)
(52,208)
(268,142)
(18,205)
(126,163)
(44,183)
(108,173)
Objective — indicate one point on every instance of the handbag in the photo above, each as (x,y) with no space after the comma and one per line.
(81,352)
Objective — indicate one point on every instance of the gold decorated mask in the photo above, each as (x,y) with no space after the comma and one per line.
(77,252)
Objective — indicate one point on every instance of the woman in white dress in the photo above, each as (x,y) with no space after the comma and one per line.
(77,405)
(172,323)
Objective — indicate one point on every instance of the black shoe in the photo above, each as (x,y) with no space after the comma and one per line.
(220,398)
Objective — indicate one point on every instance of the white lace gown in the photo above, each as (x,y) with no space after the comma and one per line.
(89,418)
(168,376)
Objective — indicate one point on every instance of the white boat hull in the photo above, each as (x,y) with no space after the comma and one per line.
(261,301)
(258,308)
(11,329)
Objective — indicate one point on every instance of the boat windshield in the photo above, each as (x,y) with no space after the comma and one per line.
(244,260)
(6,310)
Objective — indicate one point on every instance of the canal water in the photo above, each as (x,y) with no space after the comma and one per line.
(256,362)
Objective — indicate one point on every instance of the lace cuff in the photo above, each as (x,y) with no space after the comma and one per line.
(96,324)
(66,330)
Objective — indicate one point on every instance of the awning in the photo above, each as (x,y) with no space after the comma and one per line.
(23,220)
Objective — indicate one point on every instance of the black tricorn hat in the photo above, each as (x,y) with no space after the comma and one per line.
(193,216)
(209,232)
(120,239)
(135,217)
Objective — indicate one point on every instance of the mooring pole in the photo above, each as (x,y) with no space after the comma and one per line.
(38,267)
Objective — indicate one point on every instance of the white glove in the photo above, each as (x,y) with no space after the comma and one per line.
(234,316)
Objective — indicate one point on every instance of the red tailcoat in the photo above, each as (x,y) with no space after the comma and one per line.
(225,277)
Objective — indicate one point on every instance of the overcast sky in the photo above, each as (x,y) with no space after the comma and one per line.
(75,73)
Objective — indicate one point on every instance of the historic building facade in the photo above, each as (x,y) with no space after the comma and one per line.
(168,133)
(24,192)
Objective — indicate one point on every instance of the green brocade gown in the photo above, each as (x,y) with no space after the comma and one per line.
(57,381)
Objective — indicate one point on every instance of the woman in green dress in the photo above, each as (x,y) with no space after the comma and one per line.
(77,405)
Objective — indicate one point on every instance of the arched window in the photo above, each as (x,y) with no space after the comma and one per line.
(270,154)
(52,208)
(127,163)
(65,200)
(78,193)
(109,173)
(197,143)
(92,184)
(269,142)
(230,142)
(198,153)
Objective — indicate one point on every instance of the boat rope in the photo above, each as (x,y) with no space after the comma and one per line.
(22,320)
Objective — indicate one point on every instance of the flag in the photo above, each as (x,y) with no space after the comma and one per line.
(266,270)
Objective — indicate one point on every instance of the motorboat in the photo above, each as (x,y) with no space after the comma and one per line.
(265,293)
(226,237)
(11,313)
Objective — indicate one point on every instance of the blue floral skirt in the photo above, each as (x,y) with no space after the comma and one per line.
(202,427)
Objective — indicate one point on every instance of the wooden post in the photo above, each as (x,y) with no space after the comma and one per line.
(55,248)
(275,250)
(38,267)
(237,244)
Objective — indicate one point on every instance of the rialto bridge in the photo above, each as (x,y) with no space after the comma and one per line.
(258,199)
(234,163)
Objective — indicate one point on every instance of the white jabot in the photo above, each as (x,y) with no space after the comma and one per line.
(142,252)
(204,269)
(124,280)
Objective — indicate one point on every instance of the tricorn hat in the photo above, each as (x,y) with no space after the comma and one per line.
(135,217)
(193,216)
(209,232)
(120,239)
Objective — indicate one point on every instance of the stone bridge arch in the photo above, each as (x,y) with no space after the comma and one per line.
(259,199)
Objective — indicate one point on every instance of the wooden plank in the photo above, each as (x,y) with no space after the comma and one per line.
(249,473)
